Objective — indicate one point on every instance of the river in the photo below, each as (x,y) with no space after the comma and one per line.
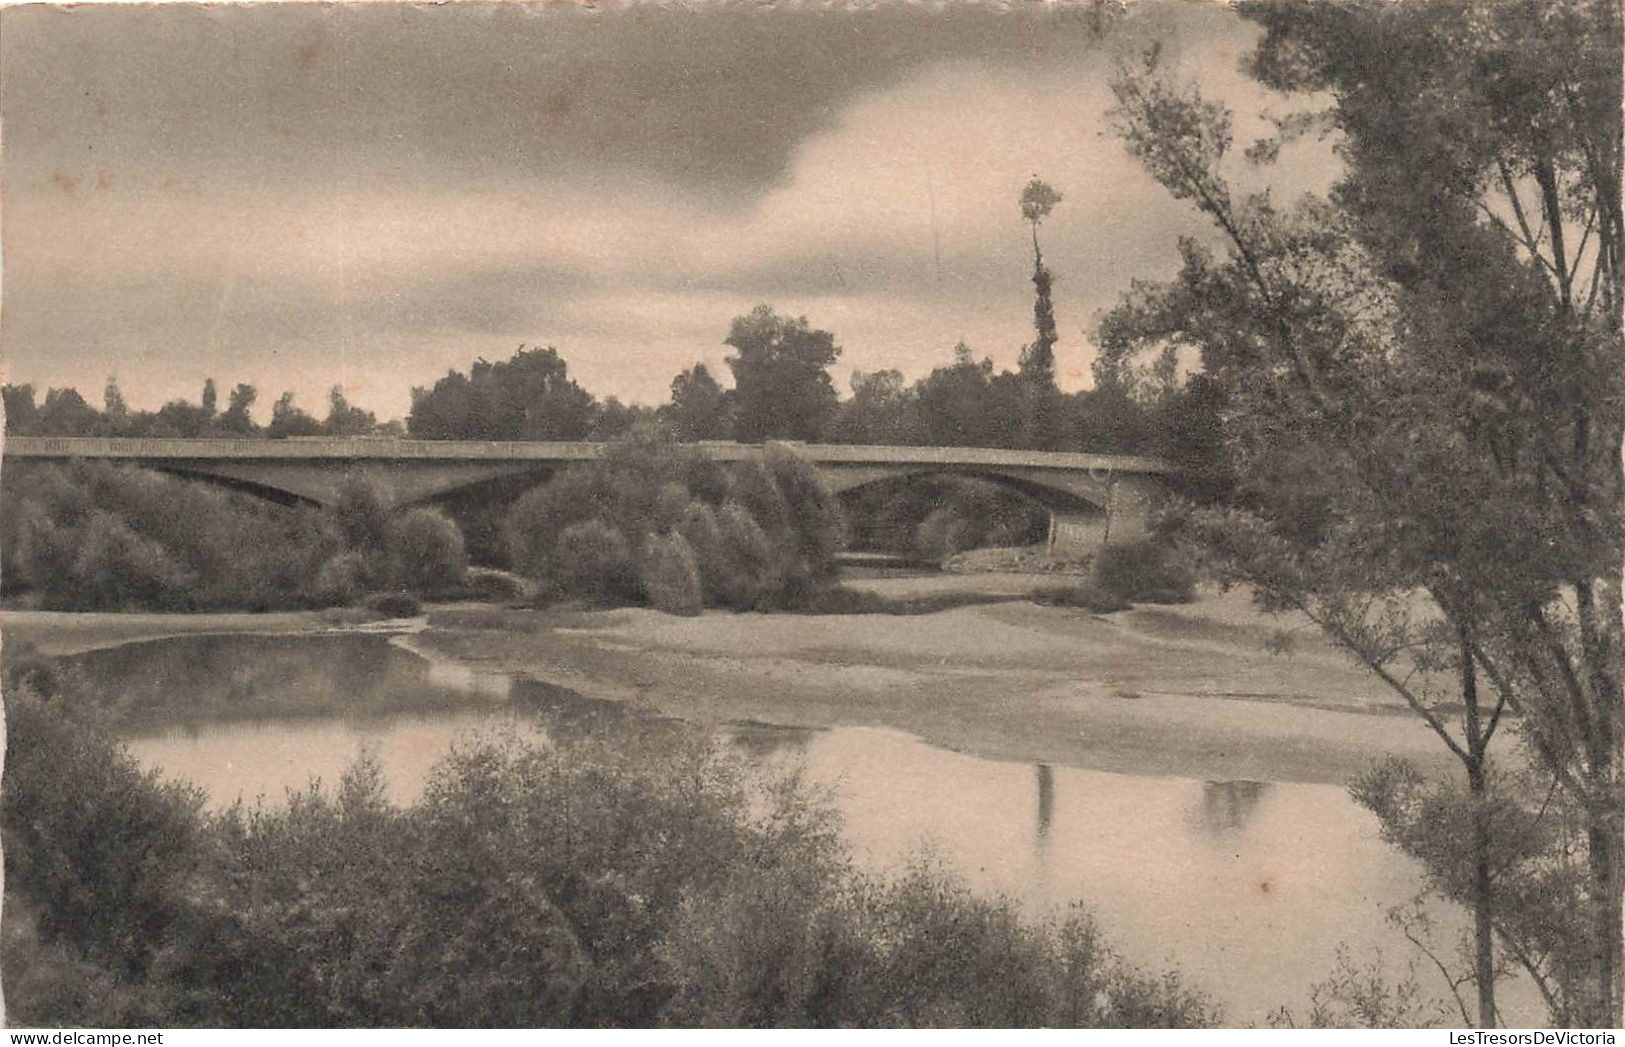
(1247,887)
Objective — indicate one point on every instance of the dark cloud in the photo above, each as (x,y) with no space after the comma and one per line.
(716,98)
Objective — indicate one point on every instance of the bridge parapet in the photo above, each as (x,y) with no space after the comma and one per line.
(385,449)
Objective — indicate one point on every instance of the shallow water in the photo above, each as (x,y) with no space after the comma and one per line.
(1246,887)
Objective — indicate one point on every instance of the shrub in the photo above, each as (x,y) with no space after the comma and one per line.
(104,850)
(427,552)
(116,568)
(752,577)
(942,534)
(93,535)
(359,512)
(395,605)
(493,586)
(1088,595)
(813,512)
(611,877)
(670,575)
(592,560)
(1143,571)
(342,579)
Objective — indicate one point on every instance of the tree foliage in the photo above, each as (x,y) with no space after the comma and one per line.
(1422,342)
(529,396)
(782,386)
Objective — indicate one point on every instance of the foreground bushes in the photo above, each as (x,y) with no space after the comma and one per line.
(622,878)
(657,523)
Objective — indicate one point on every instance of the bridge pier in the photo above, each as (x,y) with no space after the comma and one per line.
(1126,517)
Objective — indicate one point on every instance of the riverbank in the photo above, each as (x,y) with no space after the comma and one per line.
(58,633)
(1186,691)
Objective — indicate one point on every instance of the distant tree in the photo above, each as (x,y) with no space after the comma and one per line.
(239,402)
(882,410)
(22,413)
(967,405)
(287,420)
(700,409)
(782,387)
(527,397)
(343,419)
(180,418)
(115,412)
(211,398)
(614,419)
(65,413)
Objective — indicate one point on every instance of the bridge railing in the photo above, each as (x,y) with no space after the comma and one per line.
(374,448)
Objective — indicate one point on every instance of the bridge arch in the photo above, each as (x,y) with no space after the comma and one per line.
(1050,496)
(265,492)
(1075,523)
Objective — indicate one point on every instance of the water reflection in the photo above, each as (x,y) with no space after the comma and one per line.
(207,678)
(1226,807)
(1254,921)
(1046,801)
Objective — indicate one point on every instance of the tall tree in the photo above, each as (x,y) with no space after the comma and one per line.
(211,398)
(114,410)
(782,386)
(1449,357)
(1038,199)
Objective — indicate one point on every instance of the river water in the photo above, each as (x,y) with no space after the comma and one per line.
(1248,888)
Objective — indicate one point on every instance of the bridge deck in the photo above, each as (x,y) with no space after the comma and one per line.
(376,449)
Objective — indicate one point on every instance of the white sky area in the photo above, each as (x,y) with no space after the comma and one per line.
(195,194)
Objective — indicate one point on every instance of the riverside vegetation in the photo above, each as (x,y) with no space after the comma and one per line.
(587,882)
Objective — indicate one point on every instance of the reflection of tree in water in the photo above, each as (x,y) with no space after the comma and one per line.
(1227,806)
(1046,801)
(759,741)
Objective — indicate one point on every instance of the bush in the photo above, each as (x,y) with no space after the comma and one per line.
(94,535)
(359,512)
(342,579)
(1088,595)
(395,605)
(762,534)
(608,878)
(670,575)
(942,534)
(104,850)
(592,560)
(751,574)
(427,552)
(1143,572)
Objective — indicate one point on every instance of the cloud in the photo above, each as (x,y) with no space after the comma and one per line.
(620,187)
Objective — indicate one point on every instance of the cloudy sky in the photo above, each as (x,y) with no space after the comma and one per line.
(367,195)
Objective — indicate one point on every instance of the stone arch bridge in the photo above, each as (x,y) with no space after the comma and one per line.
(1092,498)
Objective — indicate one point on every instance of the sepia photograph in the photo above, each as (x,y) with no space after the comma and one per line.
(883,515)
